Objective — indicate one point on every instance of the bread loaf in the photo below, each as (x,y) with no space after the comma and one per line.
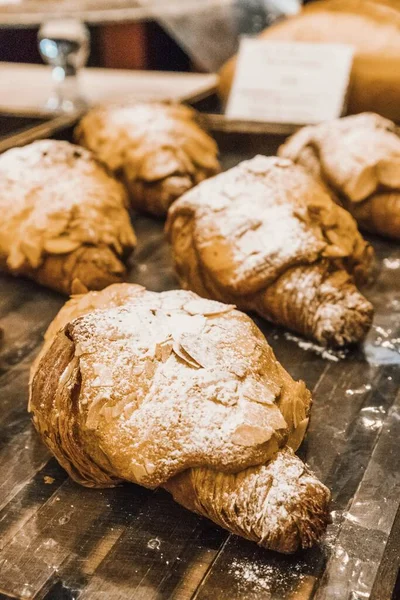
(373,28)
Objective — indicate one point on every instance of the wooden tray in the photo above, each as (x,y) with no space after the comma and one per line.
(59,541)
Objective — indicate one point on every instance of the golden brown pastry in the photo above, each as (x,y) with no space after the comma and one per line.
(64,218)
(267,237)
(372,28)
(358,158)
(157,150)
(176,391)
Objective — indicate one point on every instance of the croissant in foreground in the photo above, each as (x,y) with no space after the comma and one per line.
(267,237)
(157,150)
(176,391)
(64,218)
(358,158)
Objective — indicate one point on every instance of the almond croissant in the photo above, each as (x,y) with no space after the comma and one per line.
(64,218)
(157,150)
(358,158)
(267,237)
(176,391)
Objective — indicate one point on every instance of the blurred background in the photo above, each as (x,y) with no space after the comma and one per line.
(165,35)
(110,44)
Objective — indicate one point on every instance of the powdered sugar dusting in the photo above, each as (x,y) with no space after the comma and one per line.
(386,339)
(263,577)
(359,391)
(54,197)
(159,149)
(325,353)
(288,507)
(246,249)
(201,420)
(391,263)
(356,154)
(199,382)
(238,234)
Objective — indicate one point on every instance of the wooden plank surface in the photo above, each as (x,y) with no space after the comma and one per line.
(60,541)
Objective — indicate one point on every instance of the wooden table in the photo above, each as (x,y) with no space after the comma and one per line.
(60,541)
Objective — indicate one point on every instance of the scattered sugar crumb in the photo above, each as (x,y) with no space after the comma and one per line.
(154,544)
(391,263)
(361,390)
(262,577)
(327,354)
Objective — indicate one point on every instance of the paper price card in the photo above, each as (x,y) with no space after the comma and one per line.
(296,82)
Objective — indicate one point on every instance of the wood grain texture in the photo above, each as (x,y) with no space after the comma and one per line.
(60,541)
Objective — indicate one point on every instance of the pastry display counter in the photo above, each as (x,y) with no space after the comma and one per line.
(59,540)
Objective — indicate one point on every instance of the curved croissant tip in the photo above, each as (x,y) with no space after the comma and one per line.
(343,323)
(306,523)
(316,517)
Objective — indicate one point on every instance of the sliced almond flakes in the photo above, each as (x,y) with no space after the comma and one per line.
(207,307)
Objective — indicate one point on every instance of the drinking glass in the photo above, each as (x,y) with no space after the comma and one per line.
(64,45)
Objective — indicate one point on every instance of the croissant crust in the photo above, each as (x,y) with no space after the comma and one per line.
(175,391)
(64,217)
(157,150)
(358,159)
(266,236)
